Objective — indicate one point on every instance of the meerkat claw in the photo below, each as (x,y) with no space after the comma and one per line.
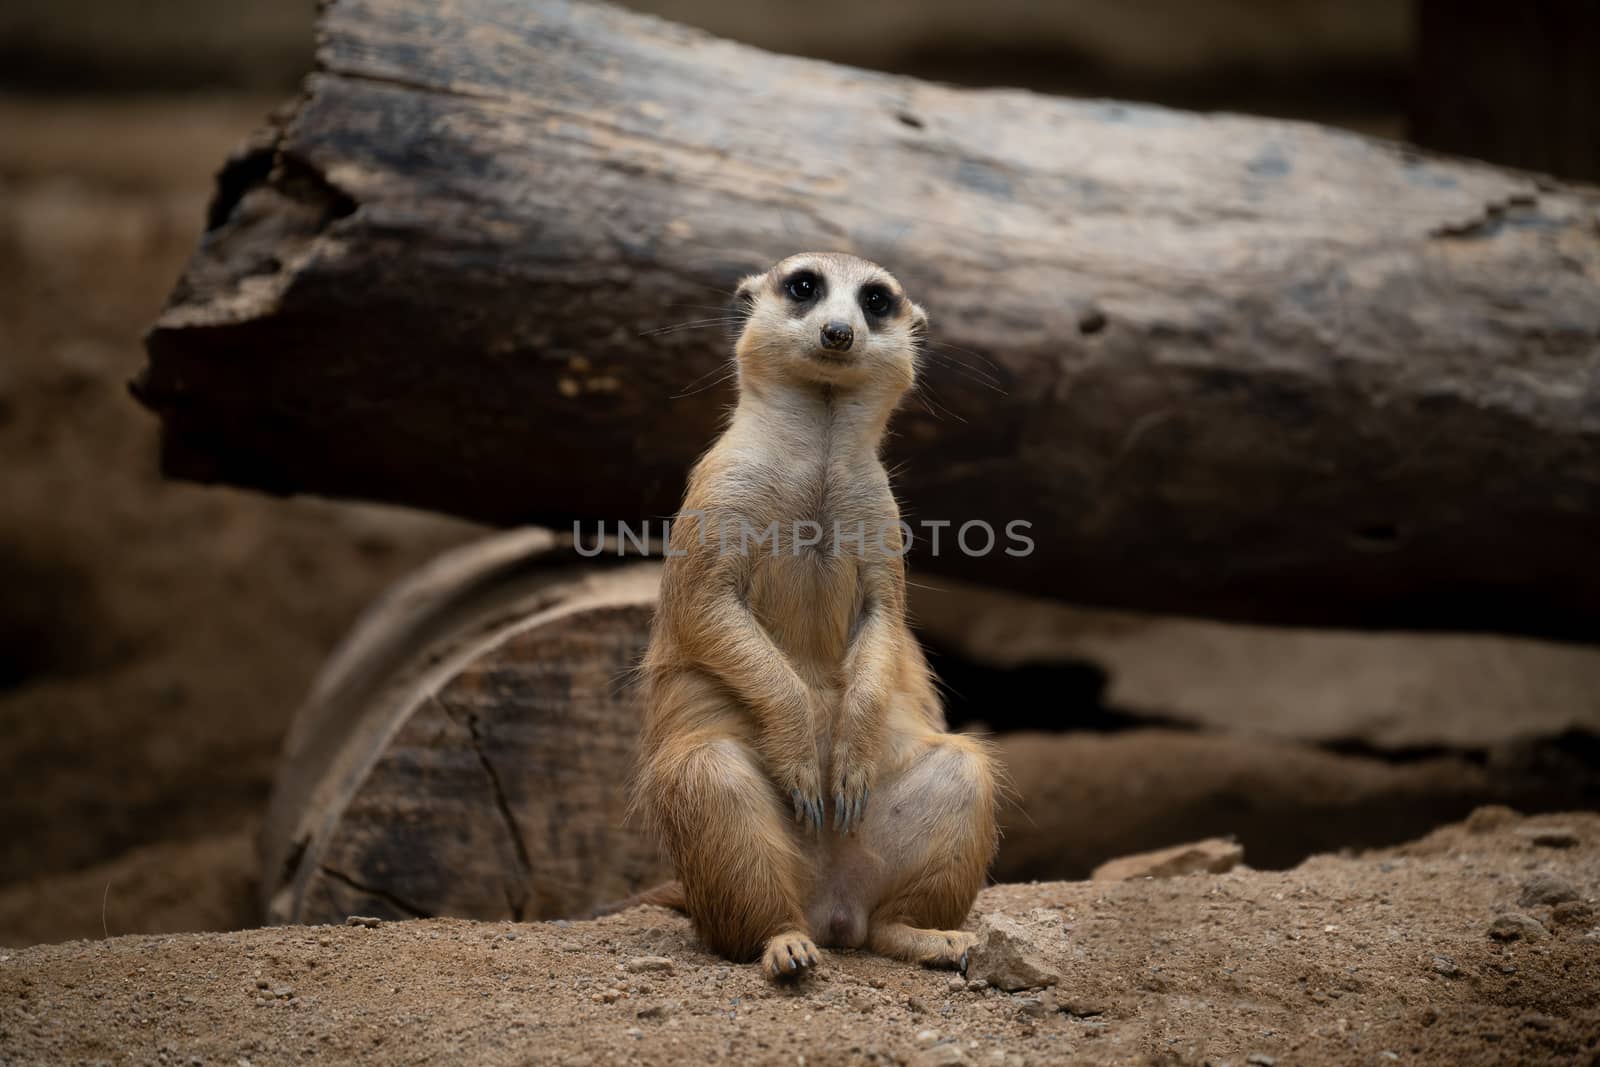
(790,955)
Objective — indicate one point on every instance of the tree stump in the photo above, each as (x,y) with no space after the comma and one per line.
(467,748)
(1224,366)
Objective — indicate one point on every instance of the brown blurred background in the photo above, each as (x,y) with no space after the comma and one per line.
(155,638)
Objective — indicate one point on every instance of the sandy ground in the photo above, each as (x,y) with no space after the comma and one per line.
(1390,957)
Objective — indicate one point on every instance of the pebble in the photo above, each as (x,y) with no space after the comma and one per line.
(1545,888)
(976,985)
(1260,1059)
(635,1033)
(1080,1006)
(1446,966)
(639,964)
(1514,926)
(916,1005)
(660,1010)
(958,985)
(369,921)
(940,1056)
(927,1038)
(1033,1007)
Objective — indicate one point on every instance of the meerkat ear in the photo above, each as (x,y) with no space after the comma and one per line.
(919,318)
(744,302)
(744,297)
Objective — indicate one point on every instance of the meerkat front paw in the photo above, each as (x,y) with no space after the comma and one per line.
(802,783)
(851,786)
(789,955)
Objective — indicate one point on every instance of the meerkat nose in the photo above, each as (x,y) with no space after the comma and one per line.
(837,336)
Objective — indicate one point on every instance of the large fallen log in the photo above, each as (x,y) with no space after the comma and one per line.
(1224,366)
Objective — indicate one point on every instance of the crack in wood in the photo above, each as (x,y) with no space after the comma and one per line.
(507,815)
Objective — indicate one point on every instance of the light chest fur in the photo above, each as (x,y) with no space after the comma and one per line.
(805,497)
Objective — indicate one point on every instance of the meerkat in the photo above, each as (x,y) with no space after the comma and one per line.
(795,762)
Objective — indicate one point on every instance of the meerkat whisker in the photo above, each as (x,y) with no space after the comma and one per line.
(694,324)
(689,390)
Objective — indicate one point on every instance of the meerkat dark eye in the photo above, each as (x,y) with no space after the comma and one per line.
(876,300)
(801,286)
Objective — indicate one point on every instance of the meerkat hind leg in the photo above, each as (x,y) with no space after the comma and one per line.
(933,827)
(728,836)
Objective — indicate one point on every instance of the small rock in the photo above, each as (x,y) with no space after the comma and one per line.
(1514,926)
(1079,1006)
(635,1033)
(1446,966)
(283,992)
(940,1056)
(660,1010)
(370,922)
(916,1006)
(1006,957)
(976,985)
(927,1038)
(958,985)
(1552,836)
(1214,855)
(1491,817)
(1544,888)
(1034,1007)
(1573,912)
(639,964)
(1260,1059)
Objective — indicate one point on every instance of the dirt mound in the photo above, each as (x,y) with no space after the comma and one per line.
(1479,943)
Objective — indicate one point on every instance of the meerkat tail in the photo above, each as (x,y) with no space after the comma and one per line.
(666,895)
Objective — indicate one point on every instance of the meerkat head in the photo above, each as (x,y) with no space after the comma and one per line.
(826,318)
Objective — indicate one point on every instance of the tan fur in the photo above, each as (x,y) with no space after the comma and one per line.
(795,762)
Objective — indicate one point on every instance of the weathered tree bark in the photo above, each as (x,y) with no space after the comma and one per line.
(466,750)
(466,753)
(1223,366)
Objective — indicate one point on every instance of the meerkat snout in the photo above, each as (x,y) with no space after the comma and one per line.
(837,336)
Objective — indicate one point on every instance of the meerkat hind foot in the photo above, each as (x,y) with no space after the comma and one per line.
(790,955)
(931,948)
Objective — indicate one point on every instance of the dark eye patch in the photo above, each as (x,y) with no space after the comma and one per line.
(803,286)
(876,300)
